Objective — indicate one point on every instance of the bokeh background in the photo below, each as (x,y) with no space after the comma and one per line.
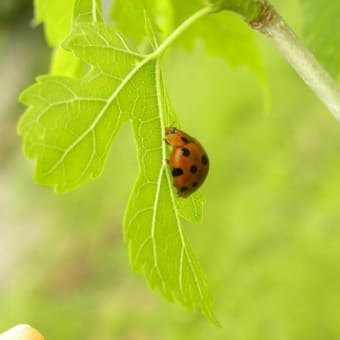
(269,241)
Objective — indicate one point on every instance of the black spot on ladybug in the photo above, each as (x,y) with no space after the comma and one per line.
(193,169)
(185,152)
(194,184)
(205,160)
(177,172)
(183,189)
(185,140)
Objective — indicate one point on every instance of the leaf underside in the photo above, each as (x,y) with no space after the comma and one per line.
(69,127)
(157,244)
(224,35)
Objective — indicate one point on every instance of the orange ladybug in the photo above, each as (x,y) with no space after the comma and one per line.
(188,161)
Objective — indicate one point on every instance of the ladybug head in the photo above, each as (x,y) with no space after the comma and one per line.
(170,130)
(176,138)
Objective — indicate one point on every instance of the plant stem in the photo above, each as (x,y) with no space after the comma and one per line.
(304,62)
(262,17)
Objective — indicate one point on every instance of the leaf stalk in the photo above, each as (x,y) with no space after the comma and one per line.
(179,30)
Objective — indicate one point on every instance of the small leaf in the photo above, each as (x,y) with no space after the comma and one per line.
(321,31)
(57,17)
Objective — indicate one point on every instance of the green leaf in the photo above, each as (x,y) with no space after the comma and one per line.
(191,208)
(224,34)
(157,244)
(88,11)
(69,127)
(70,123)
(128,16)
(65,63)
(321,32)
(57,17)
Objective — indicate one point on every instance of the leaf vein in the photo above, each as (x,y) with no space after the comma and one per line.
(153,223)
(159,92)
(100,114)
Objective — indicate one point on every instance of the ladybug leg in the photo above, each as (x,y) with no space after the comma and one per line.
(166,141)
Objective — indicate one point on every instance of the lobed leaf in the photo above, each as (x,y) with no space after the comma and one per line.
(157,243)
(69,127)
(70,123)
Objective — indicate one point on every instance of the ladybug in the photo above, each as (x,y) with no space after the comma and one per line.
(188,161)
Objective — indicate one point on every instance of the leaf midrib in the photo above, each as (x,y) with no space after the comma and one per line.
(102,112)
(153,55)
(183,243)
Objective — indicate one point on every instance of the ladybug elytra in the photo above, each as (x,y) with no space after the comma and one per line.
(188,161)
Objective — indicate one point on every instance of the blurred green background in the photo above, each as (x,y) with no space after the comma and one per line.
(269,242)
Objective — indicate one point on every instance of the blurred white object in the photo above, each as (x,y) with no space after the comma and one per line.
(21,332)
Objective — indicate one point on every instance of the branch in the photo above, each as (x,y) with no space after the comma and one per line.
(262,17)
